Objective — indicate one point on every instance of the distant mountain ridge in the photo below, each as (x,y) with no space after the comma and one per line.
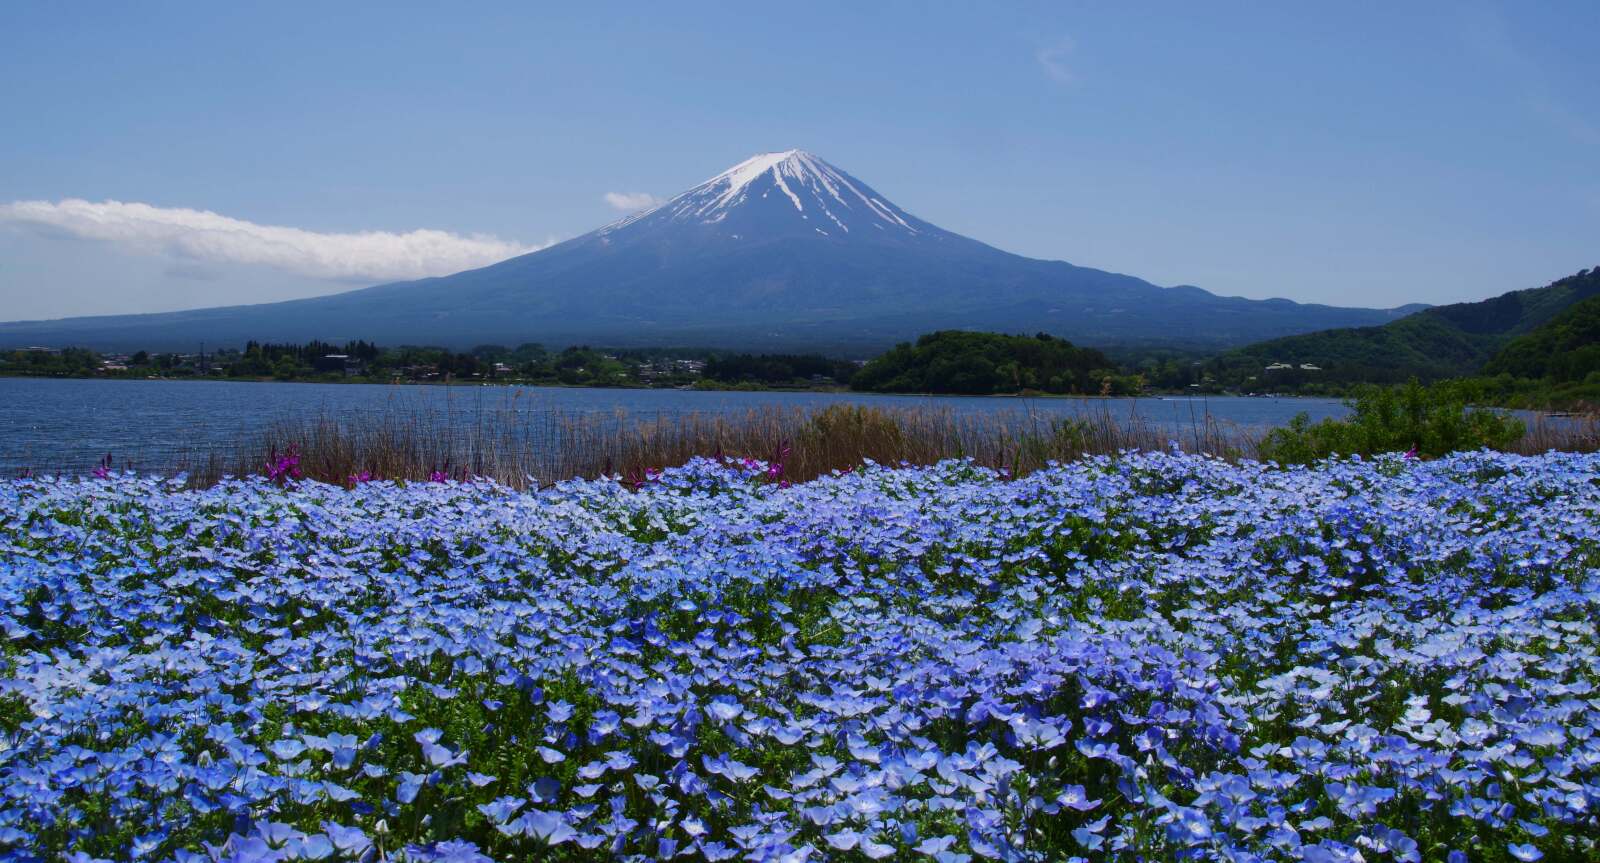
(782,251)
(1438,342)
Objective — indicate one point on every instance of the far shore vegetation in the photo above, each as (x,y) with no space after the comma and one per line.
(364,362)
(1536,349)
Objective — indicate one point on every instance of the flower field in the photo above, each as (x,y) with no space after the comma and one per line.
(1142,657)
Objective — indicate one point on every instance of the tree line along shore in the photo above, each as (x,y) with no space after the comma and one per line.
(1537,349)
(1543,371)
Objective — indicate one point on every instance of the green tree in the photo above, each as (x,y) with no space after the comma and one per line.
(957,361)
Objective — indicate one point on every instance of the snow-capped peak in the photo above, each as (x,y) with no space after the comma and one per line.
(741,175)
(823,198)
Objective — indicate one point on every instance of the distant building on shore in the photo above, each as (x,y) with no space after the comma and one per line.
(337,364)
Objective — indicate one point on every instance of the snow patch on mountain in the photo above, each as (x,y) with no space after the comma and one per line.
(811,185)
(745,173)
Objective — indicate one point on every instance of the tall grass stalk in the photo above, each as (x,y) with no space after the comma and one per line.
(523,445)
(522,448)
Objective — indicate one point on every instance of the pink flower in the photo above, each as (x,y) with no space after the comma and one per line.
(775,467)
(282,469)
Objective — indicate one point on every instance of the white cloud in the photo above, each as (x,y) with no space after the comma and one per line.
(1053,59)
(200,235)
(632,202)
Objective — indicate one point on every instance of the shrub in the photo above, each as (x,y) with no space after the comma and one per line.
(1430,420)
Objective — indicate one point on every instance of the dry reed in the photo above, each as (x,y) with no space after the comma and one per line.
(522,448)
(522,445)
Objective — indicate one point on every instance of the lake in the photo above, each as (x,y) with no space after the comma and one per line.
(66,425)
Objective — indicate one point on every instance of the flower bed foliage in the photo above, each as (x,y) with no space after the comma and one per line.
(1146,657)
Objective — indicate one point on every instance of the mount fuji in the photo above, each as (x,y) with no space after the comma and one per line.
(781,251)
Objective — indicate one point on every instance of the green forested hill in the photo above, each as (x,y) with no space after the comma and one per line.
(957,361)
(1565,348)
(1439,342)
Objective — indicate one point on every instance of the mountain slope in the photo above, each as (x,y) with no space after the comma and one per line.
(1438,342)
(1564,348)
(781,251)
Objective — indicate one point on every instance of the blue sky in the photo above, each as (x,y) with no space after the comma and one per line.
(1351,153)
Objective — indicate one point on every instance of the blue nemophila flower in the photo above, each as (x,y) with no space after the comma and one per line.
(605,724)
(874,849)
(410,785)
(548,827)
(1262,663)
(559,711)
(1074,797)
(314,847)
(844,840)
(716,851)
(544,789)
(723,765)
(1088,839)
(287,748)
(724,709)
(501,809)
(349,841)
(442,756)
(276,834)
(449,851)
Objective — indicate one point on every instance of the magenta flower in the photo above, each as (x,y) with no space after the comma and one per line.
(775,466)
(283,468)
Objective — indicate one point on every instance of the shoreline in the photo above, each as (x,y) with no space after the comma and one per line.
(836,390)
